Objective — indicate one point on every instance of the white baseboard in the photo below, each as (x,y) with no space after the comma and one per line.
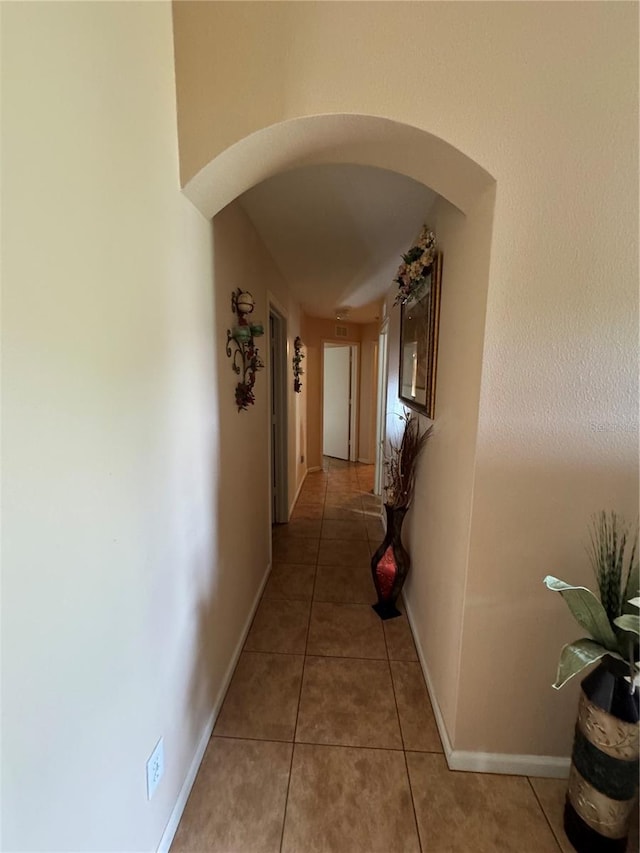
(548,766)
(365,461)
(314,468)
(185,790)
(293,503)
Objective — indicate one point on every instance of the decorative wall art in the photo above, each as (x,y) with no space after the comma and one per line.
(419,326)
(298,355)
(241,347)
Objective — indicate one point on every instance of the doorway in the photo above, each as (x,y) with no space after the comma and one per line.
(339,395)
(278,416)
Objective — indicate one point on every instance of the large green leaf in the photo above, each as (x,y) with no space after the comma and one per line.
(574,657)
(587,610)
(632,590)
(628,623)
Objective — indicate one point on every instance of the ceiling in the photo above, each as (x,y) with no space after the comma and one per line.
(336,233)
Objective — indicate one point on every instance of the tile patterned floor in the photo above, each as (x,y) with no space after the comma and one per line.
(326,741)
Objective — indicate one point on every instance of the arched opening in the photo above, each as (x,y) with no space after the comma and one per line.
(439,528)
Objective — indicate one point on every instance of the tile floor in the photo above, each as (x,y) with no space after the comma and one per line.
(326,741)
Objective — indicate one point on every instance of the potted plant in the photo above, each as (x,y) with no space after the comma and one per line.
(603,780)
(390,563)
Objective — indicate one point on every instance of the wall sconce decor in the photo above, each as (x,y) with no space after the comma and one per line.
(298,355)
(246,361)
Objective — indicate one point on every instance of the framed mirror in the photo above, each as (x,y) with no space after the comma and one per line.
(419,322)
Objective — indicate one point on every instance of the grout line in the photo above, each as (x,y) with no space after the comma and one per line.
(544,814)
(413,803)
(404,747)
(350,746)
(322,743)
(295,726)
(252,739)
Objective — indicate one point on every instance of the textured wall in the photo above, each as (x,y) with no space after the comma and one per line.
(135,511)
(544,97)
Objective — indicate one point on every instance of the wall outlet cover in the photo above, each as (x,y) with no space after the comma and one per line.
(155,768)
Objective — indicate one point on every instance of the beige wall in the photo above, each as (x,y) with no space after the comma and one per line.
(248,264)
(315,332)
(367,407)
(545,98)
(437,527)
(135,527)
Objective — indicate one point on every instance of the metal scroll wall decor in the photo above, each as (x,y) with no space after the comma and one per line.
(298,355)
(242,349)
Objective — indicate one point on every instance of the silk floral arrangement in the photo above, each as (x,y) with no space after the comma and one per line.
(413,271)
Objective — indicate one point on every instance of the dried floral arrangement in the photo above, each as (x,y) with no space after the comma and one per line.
(298,355)
(414,269)
(612,621)
(401,461)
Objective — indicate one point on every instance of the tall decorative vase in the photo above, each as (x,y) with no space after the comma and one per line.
(390,564)
(603,781)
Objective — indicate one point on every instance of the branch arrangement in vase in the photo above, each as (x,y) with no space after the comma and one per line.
(401,461)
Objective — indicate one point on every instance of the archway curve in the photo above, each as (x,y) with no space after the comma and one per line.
(338,138)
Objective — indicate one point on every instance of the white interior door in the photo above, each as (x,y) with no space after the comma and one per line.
(336,414)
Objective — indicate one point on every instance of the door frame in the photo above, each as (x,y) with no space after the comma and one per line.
(278,405)
(381,415)
(354,399)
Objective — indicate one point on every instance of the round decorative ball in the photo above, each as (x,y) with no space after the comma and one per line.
(245,302)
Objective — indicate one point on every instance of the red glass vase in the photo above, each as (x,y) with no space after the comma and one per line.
(390,564)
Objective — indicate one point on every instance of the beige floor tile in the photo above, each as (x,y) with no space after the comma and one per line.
(335,502)
(373,546)
(343,491)
(316,499)
(343,552)
(375,530)
(262,700)
(279,626)
(292,550)
(417,722)
(290,581)
(475,812)
(551,794)
(238,800)
(345,630)
(349,702)
(298,528)
(311,512)
(334,529)
(399,638)
(312,493)
(344,800)
(372,503)
(366,483)
(352,511)
(344,584)
(337,464)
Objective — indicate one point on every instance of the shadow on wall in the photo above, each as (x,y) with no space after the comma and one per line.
(239,481)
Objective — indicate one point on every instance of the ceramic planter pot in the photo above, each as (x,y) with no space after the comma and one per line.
(603,781)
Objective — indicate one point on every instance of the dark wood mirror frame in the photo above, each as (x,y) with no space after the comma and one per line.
(419,326)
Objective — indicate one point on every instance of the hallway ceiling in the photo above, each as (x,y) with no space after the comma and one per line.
(336,232)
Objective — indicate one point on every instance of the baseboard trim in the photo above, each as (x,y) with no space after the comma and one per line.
(176,813)
(548,766)
(313,469)
(298,491)
(363,461)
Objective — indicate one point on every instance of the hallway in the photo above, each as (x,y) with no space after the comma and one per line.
(326,740)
